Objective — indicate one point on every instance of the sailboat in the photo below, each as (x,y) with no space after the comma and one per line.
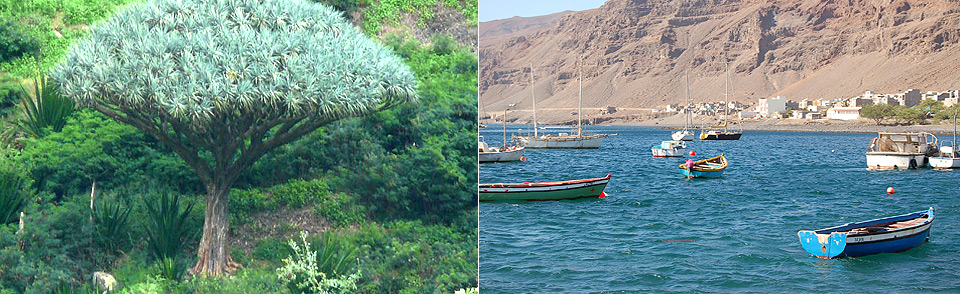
(720,132)
(576,139)
(685,134)
(948,154)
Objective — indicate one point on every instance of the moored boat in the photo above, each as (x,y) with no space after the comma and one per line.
(900,150)
(884,235)
(948,154)
(706,168)
(559,190)
(669,149)
(498,154)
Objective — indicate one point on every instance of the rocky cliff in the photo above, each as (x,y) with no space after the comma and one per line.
(635,53)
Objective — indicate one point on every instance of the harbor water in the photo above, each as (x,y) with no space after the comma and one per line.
(659,232)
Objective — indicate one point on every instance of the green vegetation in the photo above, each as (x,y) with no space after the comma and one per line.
(388,12)
(900,115)
(362,177)
(46,110)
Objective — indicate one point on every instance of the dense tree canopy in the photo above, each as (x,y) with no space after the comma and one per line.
(221,82)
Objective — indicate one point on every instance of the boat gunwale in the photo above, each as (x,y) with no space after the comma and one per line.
(891,219)
(542,184)
(721,157)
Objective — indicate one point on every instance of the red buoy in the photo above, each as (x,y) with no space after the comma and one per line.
(523,158)
(602,194)
(890,190)
(692,153)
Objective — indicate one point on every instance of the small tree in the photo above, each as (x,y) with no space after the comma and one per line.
(877,112)
(908,115)
(222,82)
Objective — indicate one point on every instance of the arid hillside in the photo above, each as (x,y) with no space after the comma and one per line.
(635,53)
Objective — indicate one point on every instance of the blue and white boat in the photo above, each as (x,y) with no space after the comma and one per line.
(884,235)
(669,149)
(707,168)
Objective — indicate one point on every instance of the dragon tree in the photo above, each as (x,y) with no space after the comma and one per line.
(221,82)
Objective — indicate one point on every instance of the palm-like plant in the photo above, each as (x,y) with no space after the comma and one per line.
(112,219)
(167,226)
(12,199)
(47,108)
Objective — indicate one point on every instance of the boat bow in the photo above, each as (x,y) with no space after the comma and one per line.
(823,245)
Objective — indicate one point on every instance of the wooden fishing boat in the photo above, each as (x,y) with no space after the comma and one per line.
(884,235)
(586,188)
(669,149)
(707,168)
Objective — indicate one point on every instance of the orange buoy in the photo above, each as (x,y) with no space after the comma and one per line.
(692,153)
(523,158)
(890,190)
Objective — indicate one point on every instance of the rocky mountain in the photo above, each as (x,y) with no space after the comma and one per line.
(635,53)
(495,31)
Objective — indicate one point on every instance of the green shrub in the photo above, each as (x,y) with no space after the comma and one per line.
(56,250)
(14,42)
(341,209)
(92,147)
(302,274)
(272,250)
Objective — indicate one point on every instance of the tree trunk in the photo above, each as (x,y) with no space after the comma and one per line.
(213,255)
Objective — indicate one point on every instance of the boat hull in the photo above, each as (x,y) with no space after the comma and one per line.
(701,174)
(838,242)
(682,136)
(720,136)
(663,152)
(506,156)
(590,188)
(895,160)
(562,142)
(944,162)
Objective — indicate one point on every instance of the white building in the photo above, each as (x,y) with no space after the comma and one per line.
(844,113)
(766,107)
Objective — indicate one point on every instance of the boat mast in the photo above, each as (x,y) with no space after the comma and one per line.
(689,122)
(534,102)
(504,128)
(726,95)
(580,103)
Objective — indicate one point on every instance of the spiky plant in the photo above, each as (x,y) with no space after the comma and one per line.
(47,108)
(12,198)
(167,226)
(221,82)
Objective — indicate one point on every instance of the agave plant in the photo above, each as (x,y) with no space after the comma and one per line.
(168,226)
(335,256)
(12,199)
(47,109)
(111,219)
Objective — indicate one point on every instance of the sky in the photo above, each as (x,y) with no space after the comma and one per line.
(500,9)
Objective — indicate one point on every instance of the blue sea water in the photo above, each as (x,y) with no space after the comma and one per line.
(659,232)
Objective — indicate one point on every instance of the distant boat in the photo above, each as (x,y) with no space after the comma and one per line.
(669,149)
(900,150)
(884,235)
(576,139)
(720,132)
(686,134)
(948,155)
(707,168)
(587,188)
(501,154)
(498,154)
